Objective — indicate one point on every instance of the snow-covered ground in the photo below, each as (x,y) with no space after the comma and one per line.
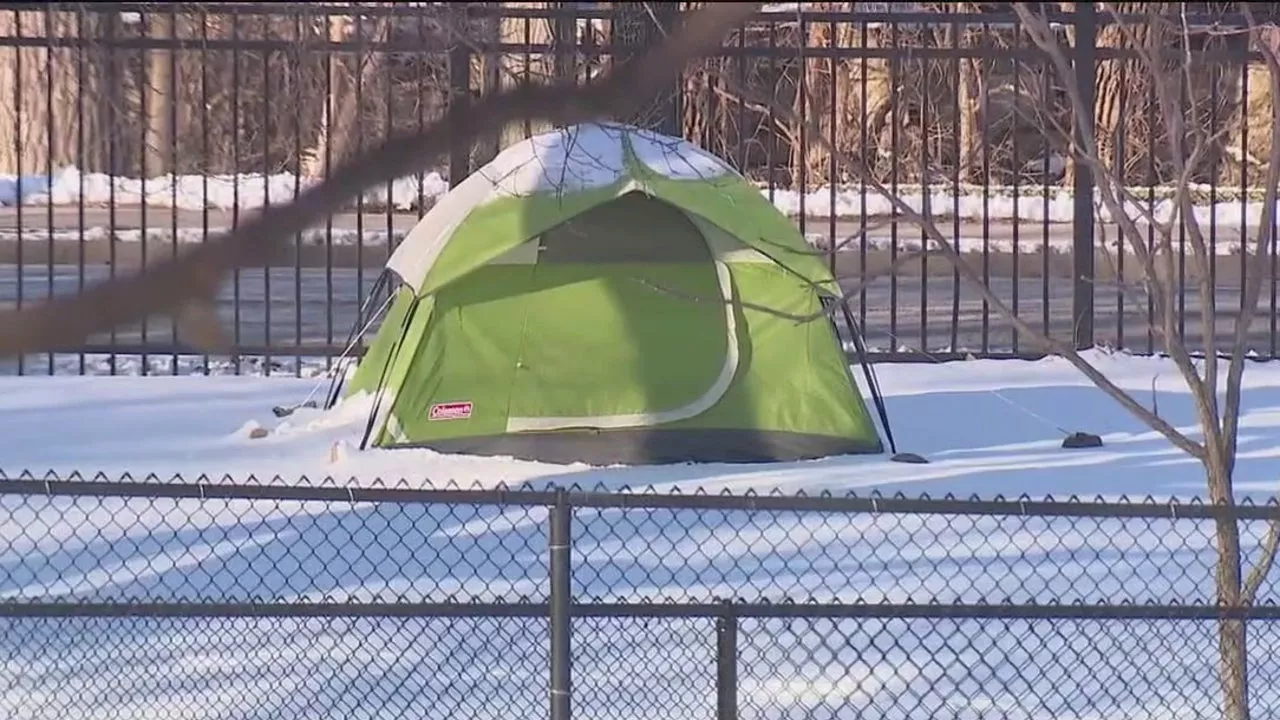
(988,427)
(1226,208)
(70,186)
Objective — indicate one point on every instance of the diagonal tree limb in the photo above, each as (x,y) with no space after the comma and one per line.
(186,286)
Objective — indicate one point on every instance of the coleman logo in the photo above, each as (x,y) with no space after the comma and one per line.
(450,411)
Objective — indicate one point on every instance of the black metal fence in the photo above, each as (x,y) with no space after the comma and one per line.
(160,599)
(129,130)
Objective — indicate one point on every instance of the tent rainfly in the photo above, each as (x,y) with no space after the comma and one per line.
(607,295)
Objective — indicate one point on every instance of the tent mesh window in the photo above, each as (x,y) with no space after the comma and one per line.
(629,229)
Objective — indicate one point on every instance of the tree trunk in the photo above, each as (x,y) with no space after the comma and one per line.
(696,120)
(45,111)
(967,93)
(318,156)
(521,69)
(1125,127)
(860,90)
(340,118)
(1232,647)
(1250,143)
(156,98)
(1233,671)
(486,74)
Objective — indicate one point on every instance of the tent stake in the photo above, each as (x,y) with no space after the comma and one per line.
(1079,440)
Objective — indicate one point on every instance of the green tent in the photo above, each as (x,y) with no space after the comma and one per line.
(604,294)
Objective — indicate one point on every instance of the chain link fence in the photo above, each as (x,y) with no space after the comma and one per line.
(123,598)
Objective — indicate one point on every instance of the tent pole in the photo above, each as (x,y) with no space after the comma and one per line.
(874,386)
(335,382)
(380,388)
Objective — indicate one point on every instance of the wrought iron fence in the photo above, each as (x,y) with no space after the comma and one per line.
(130,130)
(159,599)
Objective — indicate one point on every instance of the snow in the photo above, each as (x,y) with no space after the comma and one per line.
(369,237)
(989,427)
(581,157)
(245,191)
(1027,203)
(682,160)
(525,167)
(590,156)
(556,161)
(100,364)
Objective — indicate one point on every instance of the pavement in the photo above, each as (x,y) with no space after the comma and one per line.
(73,235)
(300,302)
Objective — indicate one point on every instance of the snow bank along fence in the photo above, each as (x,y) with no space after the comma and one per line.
(164,598)
(130,130)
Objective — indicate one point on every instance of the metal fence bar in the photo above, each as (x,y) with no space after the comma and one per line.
(560,551)
(26,486)
(726,615)
(459,94)
(1082,226)
(727,665)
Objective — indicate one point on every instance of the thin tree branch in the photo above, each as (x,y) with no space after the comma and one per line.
(947,250)
(1235,371)
(1266,232)
(1137,293)
(1262,568)
(1042,36)
(1185,164)
(861,233)
(1169,96)
(863,280)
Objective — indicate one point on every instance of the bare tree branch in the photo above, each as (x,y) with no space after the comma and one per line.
(1169,100)
(863,279)
(947,250)
(1268,41)
(861,233)
(1112,193)
(186,286)
(1262,568)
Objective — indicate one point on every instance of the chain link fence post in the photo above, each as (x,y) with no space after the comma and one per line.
(560,628)
(727,664)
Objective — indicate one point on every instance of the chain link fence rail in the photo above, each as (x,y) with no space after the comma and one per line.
(170,599)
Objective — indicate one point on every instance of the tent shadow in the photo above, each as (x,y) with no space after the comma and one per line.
(981,444)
